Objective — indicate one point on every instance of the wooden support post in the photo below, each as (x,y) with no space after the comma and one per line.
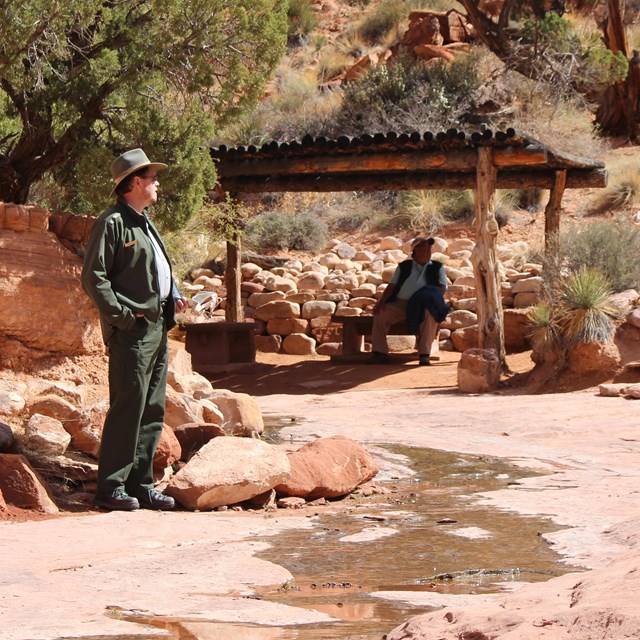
(485,265)
(232,279)
(552,212)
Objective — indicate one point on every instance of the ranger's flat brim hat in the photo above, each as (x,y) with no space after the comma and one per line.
(129,162)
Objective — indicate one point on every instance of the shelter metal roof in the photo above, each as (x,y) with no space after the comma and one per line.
(397,161)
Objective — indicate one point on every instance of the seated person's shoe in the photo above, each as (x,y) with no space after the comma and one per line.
(153,499)
(377,357)
(116,500)
(423,360)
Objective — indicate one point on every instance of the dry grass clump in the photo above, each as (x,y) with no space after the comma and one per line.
(331,64)
(382,24)
(622,190)
(554,117)
(297,107)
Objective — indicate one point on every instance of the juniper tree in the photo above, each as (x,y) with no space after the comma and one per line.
(83,80)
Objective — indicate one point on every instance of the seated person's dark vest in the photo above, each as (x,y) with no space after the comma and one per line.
(432,276)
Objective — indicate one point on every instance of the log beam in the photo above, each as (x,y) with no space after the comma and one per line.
(485,263)
(449,160)
(375,181)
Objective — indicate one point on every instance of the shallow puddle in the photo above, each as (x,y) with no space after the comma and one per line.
(428,534)
(424,532)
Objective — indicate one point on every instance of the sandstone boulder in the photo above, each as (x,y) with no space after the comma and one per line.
(318,308)
(22,486)
(181,408)
(227,471)
(465,338)
(311,280)
(193,436)
(258,299)
(592,357)
(517,327)
(242,415)
(46,436)
(278,309)
(299,344)
(268,344)
(287,326)
(328,468)
(7,440)
(168,451)
(84,431)
(51,292)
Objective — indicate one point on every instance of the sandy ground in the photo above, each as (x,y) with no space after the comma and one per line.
(75,575)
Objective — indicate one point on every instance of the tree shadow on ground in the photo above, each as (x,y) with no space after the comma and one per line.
(323,376)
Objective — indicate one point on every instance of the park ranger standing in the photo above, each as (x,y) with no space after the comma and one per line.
(127,275)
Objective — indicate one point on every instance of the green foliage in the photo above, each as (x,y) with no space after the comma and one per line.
(301,18)
(409,95)
(276,230)
(611,247)
(583,313)
(601,67)
(552,31)
(84,80)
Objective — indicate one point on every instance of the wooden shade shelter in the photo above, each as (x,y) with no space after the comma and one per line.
(481,160)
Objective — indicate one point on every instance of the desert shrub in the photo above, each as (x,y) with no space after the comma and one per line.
(583,313)
(277,230)
(622,190)
(301,19)
(611,247)
(358,212)
(408,95)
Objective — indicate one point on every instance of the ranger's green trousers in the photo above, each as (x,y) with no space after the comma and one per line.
(137,388)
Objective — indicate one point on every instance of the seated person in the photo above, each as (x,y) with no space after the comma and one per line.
(415,294)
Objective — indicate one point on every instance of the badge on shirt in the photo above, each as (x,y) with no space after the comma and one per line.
(130,244)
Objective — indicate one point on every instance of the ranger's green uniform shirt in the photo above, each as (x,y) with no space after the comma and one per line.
(119,272)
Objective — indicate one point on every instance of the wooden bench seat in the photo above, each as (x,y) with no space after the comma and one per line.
(355,328)
(212,344)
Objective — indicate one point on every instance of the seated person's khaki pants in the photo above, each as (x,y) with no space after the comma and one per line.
(393,312)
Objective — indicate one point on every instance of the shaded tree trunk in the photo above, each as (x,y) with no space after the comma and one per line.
(619,108)
(485,263)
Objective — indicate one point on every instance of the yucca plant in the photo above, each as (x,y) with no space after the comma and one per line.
(583,312)
(545,332)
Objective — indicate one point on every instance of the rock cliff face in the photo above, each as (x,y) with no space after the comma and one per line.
(44,310)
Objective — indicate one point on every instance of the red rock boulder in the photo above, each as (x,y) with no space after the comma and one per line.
(328,468)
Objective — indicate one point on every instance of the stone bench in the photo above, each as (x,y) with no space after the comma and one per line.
(214,344)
